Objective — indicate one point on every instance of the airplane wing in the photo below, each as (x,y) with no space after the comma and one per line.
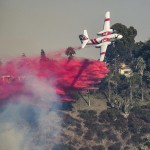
(107,21)
(106,28)
(103,51)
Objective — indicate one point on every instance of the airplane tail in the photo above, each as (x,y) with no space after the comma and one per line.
(84,38)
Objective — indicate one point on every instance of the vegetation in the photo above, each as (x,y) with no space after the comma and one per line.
(43,57)
(125,124)
(124,92)
(70,52)
(107,129)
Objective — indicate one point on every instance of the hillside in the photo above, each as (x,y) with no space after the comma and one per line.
(97,128)
(113,115)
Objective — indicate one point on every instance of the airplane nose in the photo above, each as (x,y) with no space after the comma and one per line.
(120,37)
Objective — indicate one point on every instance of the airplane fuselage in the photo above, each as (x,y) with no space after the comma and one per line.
(108,38)
(105,37)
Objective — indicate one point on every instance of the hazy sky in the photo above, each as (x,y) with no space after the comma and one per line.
(29,25)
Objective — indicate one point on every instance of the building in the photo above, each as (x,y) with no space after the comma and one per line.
(125,70)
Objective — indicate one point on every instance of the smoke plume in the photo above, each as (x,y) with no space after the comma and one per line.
(31,92)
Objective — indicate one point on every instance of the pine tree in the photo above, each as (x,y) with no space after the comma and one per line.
(140,66)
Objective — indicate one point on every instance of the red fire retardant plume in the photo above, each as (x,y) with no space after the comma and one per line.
(66,75)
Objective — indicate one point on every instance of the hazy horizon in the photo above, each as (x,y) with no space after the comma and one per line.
(31,25)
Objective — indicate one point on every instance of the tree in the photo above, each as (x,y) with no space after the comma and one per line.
(147,78)
(143,50)
(43,53)
(124,47)
(110,88)
(140,66)
(128,33)
(43,56)
(137,48)
(70,52)
(106,87)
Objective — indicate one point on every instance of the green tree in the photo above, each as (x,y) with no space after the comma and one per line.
(143,50)
(137,48)
(140,66)
(42,53)
(147,78)
(43,56)
(124,47)
(70,52)
(128,33)
(106,88)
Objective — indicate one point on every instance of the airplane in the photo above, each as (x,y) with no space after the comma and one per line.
(107,37)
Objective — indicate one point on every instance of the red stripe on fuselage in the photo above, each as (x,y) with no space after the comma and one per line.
(103,53)
(94,41)
(105,40)
(105,33)
(107,19)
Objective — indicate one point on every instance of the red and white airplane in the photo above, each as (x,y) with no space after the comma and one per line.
(107,36)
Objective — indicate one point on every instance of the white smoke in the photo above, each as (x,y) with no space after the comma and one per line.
(31,122)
